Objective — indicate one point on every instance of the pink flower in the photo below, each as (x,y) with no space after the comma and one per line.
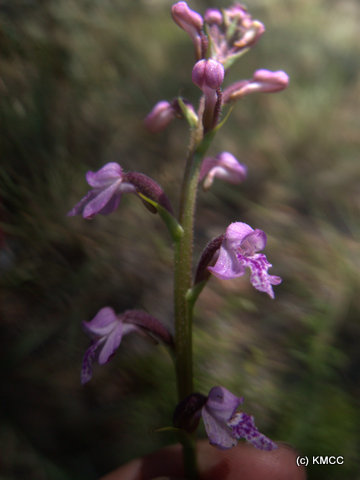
(224,166)
(238,251)
(107,330)
(108,186)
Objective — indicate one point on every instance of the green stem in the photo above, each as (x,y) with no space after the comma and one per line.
(183,283)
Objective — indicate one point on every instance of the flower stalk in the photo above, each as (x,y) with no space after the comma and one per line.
(219,39)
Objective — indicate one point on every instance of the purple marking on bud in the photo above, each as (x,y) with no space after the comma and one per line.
(191,22)
(238,251)
(160,117)
(263,81)
(224,166)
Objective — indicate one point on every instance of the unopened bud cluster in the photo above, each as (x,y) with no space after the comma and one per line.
(219,39)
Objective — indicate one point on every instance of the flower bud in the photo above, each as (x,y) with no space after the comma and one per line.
(208,74)
(191,22)
(147,187)
(213,16)
(270,81)
(263,81)
(251,36)
(186,18)
(160,117)
(187,413)
(224,166)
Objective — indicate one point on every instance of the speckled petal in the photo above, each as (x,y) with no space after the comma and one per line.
(259,277)
(243,426)
(88,360)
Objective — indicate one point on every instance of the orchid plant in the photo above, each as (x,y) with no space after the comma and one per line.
(219,39)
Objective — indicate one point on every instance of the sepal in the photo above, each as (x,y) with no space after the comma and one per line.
(187,413)
(148,188)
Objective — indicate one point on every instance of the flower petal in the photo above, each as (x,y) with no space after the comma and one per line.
(103,322)
(79,207)
(253,242)
(235,234)
(218,432)
(243,426)
(227,265)
(99,203)
(108,174)
(112,342)
(88,360)
(221,403)
(259,277)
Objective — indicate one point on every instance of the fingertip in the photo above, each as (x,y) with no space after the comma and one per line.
(245,461)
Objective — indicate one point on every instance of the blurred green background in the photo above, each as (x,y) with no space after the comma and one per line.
(77,78)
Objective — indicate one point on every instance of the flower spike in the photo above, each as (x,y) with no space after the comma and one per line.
(238,251)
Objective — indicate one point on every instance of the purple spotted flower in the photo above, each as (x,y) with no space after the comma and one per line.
(108,185)
(239,250)
(224,426)
(107,330)
(225,167)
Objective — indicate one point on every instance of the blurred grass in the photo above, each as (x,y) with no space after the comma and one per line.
(76,80)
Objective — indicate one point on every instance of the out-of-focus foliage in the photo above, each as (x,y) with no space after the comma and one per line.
(76,79)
